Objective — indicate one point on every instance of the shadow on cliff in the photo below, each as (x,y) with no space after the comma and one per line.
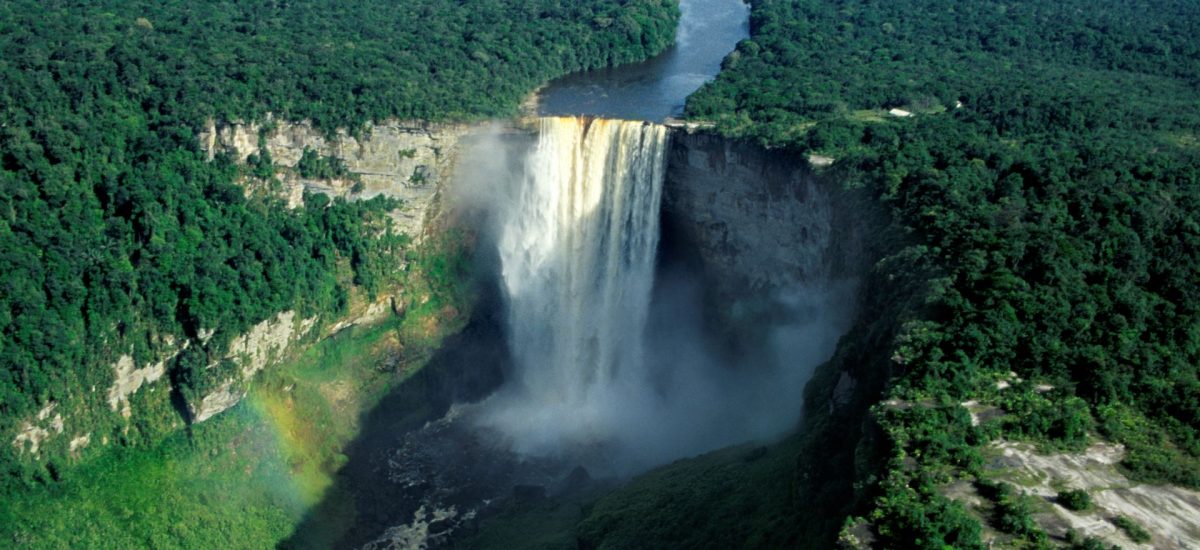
(363,500)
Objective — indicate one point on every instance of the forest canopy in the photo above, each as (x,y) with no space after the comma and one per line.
(1043,174)
(118,234)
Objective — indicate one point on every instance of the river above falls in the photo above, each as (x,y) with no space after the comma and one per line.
(657,88)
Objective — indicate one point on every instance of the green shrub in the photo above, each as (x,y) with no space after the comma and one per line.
(1075,499)
(1136,532)
(321,167)
(1013,513)
(1077,541)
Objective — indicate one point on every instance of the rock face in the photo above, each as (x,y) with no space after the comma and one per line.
(128,378)
(266,341)
(760,220)
(216,402)
(409,161)
(402,160)
(781,243)
(33,432)
(252,352)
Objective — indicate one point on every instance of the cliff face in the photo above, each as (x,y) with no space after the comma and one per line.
(407,161)
(761,220)
(397,159)
(780,239)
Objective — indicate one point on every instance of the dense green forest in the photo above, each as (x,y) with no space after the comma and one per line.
(1045,203)
(118,235)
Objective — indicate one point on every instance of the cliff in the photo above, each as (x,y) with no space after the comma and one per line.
(403,160)
(779,240)
(761,220)
(784,247)
(397,159)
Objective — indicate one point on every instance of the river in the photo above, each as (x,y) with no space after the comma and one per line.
(655,89)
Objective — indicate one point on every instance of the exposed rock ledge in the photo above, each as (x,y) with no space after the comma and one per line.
(127,378)
(40,428)
(1171,514)
(216,402)
(397,159)
(264,344)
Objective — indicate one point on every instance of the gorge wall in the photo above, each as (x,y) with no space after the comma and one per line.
(783,243)
(409,161)
(405,160)
(764,225)
(761,220)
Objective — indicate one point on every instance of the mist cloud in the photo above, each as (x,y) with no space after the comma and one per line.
(674,392)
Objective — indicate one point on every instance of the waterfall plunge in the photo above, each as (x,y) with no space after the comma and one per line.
(577,250)
(577,235)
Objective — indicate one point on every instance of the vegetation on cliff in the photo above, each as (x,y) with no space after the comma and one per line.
(119,236)
(248,477)
(1041,169)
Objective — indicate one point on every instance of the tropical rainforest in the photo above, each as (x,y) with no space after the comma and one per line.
(119,236)
(1042,170)
(1039,163)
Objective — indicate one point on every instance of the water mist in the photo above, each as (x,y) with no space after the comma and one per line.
(600,375)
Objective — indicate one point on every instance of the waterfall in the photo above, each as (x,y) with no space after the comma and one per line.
(606,377)
(577,250)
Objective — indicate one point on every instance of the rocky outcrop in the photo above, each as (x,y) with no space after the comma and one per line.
(263,344)
(760,220)
(401,160)
(843,392)
(251,352)
(127,378)
(1171,514)
(216,401)
(374,312)
(266,341)
(35,431)
(79,442)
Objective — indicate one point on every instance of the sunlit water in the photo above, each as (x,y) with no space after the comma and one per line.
(577,247)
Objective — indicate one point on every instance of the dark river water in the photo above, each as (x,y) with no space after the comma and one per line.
(655,89)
